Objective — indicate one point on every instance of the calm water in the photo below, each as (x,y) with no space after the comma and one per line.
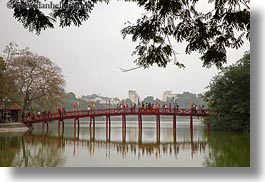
(131,147)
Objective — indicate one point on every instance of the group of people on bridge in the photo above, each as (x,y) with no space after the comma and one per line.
(170,107)
(146,105)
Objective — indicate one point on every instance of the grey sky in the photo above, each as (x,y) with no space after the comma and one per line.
(90,55)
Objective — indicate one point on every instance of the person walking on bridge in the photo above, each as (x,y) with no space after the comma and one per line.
(75,105)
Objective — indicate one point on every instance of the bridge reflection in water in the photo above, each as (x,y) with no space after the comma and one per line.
(123,141)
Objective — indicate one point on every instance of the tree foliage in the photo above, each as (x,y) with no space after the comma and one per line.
(70,98)
(148,99)
(165,23)
(38,81)
(229,97)
(2,68)
(183,100)
(7,86)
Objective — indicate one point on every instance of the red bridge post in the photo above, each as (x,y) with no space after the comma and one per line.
(75,123)
(140,136)
(174,122)
(158,135)
(174,135)
(123,121)
(139,121)
(94,124)
(47,125)
(123,135)
(90,123)
(107,122)
(157,121)
(78,124)
(63,124)
(191,121)
(107,134)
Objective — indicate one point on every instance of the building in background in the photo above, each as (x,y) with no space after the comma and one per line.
(10,113)
(133,96)
(168,95)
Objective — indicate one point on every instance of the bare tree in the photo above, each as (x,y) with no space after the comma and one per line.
(36,77)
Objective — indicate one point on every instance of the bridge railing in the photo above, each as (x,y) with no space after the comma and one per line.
(133,111)
(94,112)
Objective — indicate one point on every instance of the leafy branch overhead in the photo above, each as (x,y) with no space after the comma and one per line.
(165,23)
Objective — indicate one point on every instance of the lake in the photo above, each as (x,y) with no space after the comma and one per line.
(133,147)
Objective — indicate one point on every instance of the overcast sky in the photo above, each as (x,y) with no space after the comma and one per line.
(90,55)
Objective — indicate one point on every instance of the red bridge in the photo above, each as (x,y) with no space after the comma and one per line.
(108,112)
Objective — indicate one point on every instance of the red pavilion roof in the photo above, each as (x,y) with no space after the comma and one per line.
(14,106)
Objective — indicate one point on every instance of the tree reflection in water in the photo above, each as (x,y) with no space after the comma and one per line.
(38,153)
(22,150)
(10,145)
(228,150)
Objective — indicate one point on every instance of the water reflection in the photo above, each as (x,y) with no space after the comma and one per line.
(115,146)
(228,149)
(126,142)
(9,147)
(22,150)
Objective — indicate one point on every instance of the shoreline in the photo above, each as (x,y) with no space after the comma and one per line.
(13,127)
